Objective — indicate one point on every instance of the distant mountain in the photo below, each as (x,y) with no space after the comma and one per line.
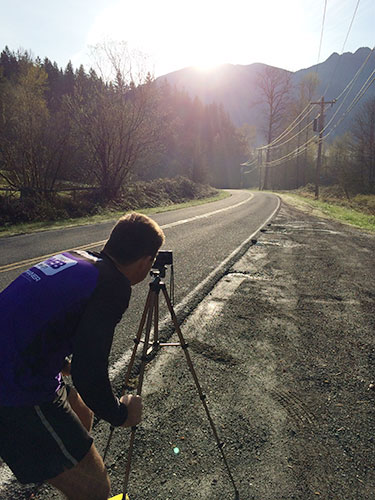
(337,71)
(234,86)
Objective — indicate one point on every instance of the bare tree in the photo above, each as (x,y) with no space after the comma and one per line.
(341,165)
(274,87)
(116,61)
(364,133)
(115,121)
(306,93)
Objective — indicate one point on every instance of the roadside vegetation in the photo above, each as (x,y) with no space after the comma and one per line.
(358,211)
(22,216)
(80,146)
(341,185)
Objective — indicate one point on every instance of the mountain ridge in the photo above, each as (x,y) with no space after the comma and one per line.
(234,85)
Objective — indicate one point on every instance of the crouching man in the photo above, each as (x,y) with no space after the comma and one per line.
(68,305)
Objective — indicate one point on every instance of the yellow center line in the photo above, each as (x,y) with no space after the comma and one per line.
(35,260)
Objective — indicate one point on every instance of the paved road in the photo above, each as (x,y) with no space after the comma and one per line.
(241,211)
(202,238)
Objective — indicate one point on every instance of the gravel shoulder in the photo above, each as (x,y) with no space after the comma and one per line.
(283,347)
(287,360)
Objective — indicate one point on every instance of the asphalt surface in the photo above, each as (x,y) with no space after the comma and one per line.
(201,238)
(283,347)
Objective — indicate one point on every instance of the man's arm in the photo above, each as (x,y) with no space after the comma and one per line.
(92,345)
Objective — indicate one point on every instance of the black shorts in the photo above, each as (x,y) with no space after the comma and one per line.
(40,442)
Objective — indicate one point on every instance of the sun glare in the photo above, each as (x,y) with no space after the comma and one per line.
(206,57)
(210,33)
(206,67)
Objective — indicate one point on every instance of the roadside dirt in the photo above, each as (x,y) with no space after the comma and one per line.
(284,350)
(287,362)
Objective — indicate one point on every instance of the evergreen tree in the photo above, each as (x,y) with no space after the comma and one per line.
(68,80)
(9,64)
(32,143)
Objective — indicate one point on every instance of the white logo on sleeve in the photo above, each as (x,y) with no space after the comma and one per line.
(55,264)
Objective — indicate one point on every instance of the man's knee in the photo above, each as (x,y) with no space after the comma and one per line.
(87,480)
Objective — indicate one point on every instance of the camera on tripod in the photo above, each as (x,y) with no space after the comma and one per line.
(163,258)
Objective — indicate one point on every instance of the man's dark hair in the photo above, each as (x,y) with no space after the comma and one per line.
(134,236)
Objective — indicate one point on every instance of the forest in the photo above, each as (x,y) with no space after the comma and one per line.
(73,141)
(293,121)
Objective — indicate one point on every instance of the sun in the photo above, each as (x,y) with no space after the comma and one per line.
(205,59)
(206,67)
(204,34)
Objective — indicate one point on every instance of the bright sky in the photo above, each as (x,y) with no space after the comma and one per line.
(180,33)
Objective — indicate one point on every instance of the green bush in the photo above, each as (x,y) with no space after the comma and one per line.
(136,195)
(336,195)
(365,202)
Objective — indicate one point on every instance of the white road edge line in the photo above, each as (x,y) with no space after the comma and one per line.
(203,216)
(203,315)
(118,365)
(5,473)
(16,265)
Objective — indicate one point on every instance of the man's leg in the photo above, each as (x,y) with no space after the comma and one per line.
(49,443)
(88,480)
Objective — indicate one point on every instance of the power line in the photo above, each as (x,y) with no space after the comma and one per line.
(349,87)
(350,26)
(293,136)
(299,150)
(355,101)
(293,124)
(343,47)
(359,71)
(302,148)
(292,153)
(249,171)
(283,134)
(289,128)
(247,164)
(321,33)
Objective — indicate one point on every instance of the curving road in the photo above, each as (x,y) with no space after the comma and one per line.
(200,237)
(206,240)
(194,234)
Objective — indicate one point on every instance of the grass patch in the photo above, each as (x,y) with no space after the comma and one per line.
(335,211)
(104,216)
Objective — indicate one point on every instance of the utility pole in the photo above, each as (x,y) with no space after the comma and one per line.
(267,168)
(260,162)
(320,142)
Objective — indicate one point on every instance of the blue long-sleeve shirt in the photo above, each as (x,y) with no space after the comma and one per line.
(66,305)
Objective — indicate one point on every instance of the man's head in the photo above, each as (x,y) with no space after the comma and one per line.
(133,245)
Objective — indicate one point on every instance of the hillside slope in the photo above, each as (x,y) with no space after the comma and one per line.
(234,86)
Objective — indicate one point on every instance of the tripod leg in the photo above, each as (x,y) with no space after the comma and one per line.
(152,304)
(156,322)
(197,384)
(131,362)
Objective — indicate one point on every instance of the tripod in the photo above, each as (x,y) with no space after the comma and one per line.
(151,316)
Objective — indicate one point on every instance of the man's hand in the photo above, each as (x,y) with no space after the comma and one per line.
(134,405)
(66,368)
